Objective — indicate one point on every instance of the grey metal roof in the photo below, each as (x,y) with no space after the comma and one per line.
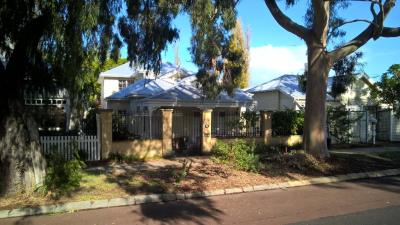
(287,83)
(144,88)
(188,92)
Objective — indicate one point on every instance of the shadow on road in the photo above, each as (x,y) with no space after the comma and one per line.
(198,211)
(391,184)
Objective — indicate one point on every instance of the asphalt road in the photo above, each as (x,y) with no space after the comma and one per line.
(372,201)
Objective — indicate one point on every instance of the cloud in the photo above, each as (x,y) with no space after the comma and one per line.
(268,62)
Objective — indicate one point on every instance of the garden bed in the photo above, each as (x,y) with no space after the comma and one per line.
(120,180)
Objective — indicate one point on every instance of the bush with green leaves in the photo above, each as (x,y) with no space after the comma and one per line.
(62,176)
(340,121)
(116,156)
(182,172)
(238,153)
(288,122)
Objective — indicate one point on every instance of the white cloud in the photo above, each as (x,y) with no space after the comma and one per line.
(268,62)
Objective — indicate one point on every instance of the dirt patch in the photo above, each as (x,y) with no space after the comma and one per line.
(113,180)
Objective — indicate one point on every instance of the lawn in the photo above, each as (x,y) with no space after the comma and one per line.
(203,174)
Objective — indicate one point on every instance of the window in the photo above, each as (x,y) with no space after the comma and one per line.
(124,83)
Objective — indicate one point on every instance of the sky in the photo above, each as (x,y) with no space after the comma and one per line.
(274,51)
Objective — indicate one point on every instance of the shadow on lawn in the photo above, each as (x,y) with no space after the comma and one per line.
(163,180)
(156,180)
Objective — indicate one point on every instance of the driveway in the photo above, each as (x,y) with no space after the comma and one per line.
(284,206)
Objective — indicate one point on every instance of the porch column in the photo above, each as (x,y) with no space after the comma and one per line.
(151,109)
(166,115)
(266,126)
(104,131)
(206,141)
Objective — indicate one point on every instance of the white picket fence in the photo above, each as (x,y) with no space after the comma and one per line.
(64,145)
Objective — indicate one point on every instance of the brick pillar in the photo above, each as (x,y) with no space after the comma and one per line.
(104,131)
(166,131)
(266,126)
(206,143)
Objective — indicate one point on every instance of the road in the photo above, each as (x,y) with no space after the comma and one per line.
(370,201)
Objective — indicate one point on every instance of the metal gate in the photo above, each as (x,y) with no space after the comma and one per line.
(383,125)
(186,129)
(358,126)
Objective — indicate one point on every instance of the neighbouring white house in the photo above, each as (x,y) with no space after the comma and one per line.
(284,92)
(280,93)
(120,77)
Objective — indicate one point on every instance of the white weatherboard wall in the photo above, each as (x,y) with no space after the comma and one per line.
(395,128)
(108,87)
(273,100)
(357,94)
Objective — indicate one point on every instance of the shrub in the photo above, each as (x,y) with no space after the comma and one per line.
(62,176)
(268,152)
(340,121)
(288,122)
(116,156)
(183,172)
(239,154)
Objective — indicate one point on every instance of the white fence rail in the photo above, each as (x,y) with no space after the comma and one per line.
(64,145)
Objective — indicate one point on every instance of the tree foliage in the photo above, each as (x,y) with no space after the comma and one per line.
(238,56)
(388,88)
(345,71)
(219,65)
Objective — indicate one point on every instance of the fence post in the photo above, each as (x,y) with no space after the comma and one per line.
(266,126)
(104,131)
(391,130)
(166,115)
(206,141)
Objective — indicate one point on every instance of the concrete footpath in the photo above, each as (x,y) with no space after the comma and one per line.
(279,206)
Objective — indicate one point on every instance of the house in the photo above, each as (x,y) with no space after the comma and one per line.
(284,92)
(358,95)
(120,77)
(178,91)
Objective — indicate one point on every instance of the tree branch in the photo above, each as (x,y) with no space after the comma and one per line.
(368,33)
(285,21)
(321,20)
(391,32)
(351,21)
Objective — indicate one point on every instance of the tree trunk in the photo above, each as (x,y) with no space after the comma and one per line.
(315,135)
(22,166)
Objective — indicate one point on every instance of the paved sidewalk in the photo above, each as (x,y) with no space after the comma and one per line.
(367,150)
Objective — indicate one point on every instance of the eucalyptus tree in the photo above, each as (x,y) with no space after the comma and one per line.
(44,45)
(323,23)
(49,44)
